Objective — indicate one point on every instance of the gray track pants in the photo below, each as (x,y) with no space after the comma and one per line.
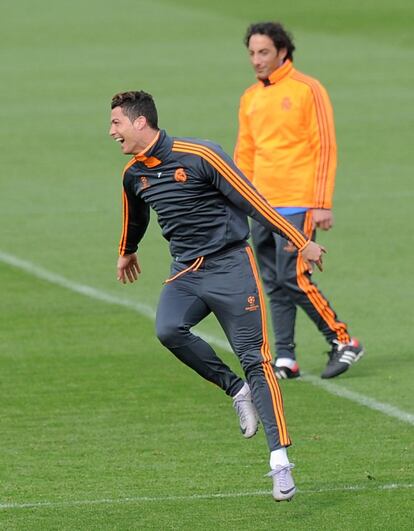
(288,284)
(228,286)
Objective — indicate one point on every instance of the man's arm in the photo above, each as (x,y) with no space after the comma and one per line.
(244,150)
(228,178)
(128,268)
(322,140)
(322,218)
(136,216)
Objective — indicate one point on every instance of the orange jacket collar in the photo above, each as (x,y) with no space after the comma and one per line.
(281,72)
(142,155)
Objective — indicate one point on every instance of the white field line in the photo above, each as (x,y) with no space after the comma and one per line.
(88,291)
(148,311)
(196,497)
(386,409)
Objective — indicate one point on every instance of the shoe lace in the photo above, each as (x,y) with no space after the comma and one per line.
(282,475)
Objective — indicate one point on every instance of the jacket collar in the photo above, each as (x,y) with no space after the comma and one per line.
(156,151)
(278,74)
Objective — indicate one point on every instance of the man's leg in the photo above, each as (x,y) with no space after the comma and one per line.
(179,309)
(293,272)
(282,307)
(232,290)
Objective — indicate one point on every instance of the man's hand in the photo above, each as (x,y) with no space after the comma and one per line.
(312,254)
(128,268)
(322,218)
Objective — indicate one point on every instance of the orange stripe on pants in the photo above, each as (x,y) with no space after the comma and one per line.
(270,377)
(314,295)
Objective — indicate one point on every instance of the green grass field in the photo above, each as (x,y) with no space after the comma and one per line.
(101,428)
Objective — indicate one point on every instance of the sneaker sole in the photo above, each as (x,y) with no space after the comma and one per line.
(286,499)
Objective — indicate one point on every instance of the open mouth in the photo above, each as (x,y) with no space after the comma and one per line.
(120,140)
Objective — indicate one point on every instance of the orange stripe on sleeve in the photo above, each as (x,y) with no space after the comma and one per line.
(326,142)
(128,165)
(325,171)
(125,214)
(250,194)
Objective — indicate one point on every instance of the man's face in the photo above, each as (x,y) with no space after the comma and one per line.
(264,57)
(125,132)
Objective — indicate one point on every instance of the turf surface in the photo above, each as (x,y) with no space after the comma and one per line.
(101,427)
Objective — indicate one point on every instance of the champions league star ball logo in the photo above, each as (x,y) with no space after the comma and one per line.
(251,304)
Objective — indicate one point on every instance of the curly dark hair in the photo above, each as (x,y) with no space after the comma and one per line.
(280,37)
(137,103)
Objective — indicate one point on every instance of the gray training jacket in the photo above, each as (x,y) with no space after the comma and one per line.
(201,197)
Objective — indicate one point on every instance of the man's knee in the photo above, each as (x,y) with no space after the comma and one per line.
(170,334)
(252,362)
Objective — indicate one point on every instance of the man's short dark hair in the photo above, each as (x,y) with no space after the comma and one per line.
(137,103)
(280,37)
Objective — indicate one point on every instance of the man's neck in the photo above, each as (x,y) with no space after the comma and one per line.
(148,140)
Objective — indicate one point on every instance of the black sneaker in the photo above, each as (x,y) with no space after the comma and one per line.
(286,369)
(342,356)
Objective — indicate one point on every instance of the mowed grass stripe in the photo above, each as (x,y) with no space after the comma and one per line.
(148,311)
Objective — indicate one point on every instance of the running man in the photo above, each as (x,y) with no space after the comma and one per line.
(202,201)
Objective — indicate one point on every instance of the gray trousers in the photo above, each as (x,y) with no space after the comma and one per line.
(288,285)
(228,286)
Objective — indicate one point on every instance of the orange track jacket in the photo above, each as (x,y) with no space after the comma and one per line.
(286,143)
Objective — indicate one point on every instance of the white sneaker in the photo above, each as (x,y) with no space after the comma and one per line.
(283,485)
(243,404)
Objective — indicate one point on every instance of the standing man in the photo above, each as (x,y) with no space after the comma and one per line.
(202,201)
(286,147)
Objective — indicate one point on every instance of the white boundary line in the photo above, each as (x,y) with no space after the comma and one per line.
(386,409)
(195,497)
(148,311)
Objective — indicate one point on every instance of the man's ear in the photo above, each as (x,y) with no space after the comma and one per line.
(283,53)
(140,122)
